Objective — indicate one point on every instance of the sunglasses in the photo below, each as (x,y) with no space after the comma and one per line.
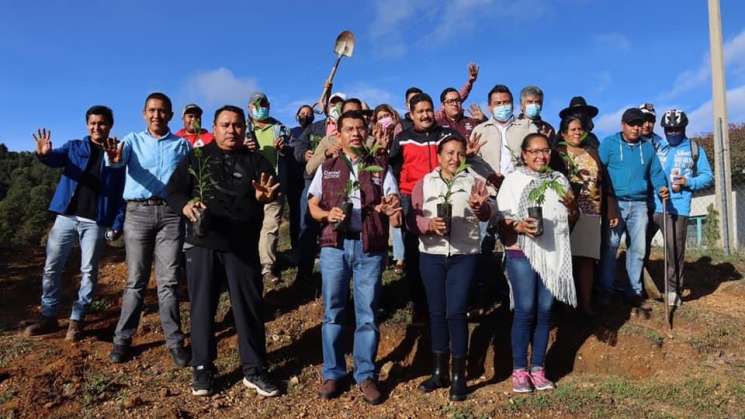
(637,123)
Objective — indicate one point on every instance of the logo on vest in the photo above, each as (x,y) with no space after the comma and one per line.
(331,174)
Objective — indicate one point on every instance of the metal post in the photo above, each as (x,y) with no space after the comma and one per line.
(722,168)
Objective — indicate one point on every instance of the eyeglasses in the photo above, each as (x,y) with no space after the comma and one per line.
(533,152)
(452,101)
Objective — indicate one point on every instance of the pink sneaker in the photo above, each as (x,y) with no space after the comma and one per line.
(539,380)
(521,381)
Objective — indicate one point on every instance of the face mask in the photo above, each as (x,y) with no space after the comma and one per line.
(502,112)
(335,113)
(260,113)
(305,121)
(674,139)
(532,110)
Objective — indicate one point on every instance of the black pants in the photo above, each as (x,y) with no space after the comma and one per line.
(206,269)
(411,255)
(675,247)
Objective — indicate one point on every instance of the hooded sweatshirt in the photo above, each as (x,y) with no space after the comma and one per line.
(631,167)
(678,160)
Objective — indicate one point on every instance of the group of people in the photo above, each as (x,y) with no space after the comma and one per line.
(436,183)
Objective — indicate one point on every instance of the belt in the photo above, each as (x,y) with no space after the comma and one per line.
(351,235)
(148,202)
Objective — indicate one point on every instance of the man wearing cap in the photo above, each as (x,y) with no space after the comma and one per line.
(192,118)
(578,106)
(531,104)
(152,230)
(272,140)
(632,165)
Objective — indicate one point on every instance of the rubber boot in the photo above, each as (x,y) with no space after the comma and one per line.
(458,390)
(439,378)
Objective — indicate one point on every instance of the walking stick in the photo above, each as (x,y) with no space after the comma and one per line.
(665,237)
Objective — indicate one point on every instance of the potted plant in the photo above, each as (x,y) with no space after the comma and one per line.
(538,195)
(203,187)
(445,208)
(353,185)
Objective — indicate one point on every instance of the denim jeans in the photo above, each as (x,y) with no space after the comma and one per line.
(151,233)
(447,281)
(60,242)
(633,221)
(338,267)
(398,244)
(532,317)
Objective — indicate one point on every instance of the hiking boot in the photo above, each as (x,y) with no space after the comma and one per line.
(440,375)
(202,379)
(370,392)
(634,300)
(521,381)
(181,356)
(458,390)
(41,326)
(262,384)
(119,353)
(74,331)
(329,389)
(539,380)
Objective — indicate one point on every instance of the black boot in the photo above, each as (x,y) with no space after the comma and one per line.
(458,390)
(439,378)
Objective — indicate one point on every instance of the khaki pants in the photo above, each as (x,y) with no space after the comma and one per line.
(269,235)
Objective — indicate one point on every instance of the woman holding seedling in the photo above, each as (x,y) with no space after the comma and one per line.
(537,207)
(581,164)
(448,204)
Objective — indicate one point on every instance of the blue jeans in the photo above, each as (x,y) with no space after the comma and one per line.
(338,267)
(447,281)
(633,221)
(532,318)
(398,244)
(59,244)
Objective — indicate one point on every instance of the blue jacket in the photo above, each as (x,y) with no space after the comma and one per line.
(73,158)
(679,159)
(631,167)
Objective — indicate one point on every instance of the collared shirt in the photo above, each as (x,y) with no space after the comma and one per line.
(150,162)
(355,224)
(502,141)
(265,138)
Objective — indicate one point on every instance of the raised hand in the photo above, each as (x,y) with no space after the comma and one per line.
(43,138)
(113,149)
(479,195)
(383,135)
(473,145)
(476,112)
(473,72)
(266,188)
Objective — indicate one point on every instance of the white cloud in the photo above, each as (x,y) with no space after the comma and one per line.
(608,123)
(372,95)
(601,82)
(734,61)
(219,87)
(701,119)
(613,41)
(386,30)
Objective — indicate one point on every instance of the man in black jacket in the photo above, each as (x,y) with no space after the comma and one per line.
(221,189)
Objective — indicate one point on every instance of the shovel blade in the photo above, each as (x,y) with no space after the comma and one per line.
(344,44)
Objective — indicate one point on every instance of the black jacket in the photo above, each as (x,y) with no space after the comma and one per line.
(234,214)
(302,143)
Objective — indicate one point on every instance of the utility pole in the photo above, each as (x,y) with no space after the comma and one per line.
(722,167)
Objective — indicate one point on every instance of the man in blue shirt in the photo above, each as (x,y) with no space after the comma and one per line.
(687,168)
(152,230)
(631,165)
(87,201)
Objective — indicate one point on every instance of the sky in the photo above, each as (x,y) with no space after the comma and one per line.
(61,57)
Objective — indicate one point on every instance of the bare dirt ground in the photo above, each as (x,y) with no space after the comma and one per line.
(624,363)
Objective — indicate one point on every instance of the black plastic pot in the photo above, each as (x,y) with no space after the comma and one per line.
(445,211)
(344,224)
(201,225)
(536,213)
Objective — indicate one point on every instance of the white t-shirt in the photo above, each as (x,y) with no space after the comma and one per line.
(389,187)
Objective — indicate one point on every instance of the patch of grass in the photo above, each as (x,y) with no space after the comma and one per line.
(462,412)
(98,387)
(12,347)
(99,306)
(652,335)
(715,338)
(6,396)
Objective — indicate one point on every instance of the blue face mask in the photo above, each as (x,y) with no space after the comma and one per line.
(260,113)
(532,110)
(502,112)
(674,139)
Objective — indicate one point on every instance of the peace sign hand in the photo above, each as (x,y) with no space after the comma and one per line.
(266,188)
(473,72)
(479,195)
(474,144)
(43,138)
(113,149)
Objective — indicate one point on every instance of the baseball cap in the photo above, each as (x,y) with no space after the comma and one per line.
(631,115)
(257,97)
(192,108)
(648,111)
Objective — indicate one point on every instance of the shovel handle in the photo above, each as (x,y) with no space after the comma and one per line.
(327,88)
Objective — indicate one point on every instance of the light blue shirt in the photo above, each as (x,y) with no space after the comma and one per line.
(150,162)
